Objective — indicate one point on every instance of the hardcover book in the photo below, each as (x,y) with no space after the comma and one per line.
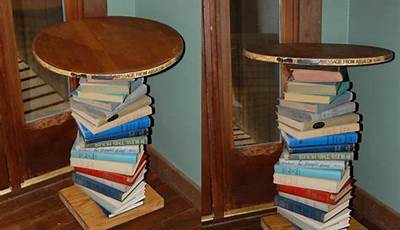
(345,138)
(315,75)
(340,221)
(329,88)
(326,185)
(301,135)
(303,116)
(310,125)
(313,194)
(317,108)
(120,123)
(309,211)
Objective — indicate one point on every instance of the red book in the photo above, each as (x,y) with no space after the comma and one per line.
(119,178)
(326,197)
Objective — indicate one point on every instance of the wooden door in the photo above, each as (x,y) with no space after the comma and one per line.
(237,175)
(34,145)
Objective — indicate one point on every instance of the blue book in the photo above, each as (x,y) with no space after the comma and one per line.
(97,186)
(338,139)
(140,123)
(300,208)
(106,156)
(323,148)
(132,133)
(330,174)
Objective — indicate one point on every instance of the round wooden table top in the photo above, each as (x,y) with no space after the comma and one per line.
(314,54)
(108,47)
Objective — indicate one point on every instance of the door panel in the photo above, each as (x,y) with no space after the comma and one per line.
(42,144)
(240,96)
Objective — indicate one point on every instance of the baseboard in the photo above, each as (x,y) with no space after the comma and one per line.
(172,176)
(372,213)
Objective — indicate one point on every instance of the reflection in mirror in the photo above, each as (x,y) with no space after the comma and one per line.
(255,84)
(43,92)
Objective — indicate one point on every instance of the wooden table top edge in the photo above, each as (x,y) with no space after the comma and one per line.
(319,61)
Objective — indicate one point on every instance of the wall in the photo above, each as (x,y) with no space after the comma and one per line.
(121,7)
(377,87)
(177,92)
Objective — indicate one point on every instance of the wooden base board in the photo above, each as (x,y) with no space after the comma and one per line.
(90,216)
(278,222)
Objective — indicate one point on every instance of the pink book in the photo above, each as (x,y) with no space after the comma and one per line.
(312,75)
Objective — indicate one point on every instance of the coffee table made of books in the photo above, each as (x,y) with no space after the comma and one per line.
(298,182)
(107,48)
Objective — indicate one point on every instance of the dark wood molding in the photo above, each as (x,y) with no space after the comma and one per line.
(310,15)
(94,8)
(372,213)
(172,176)
(206,195)
(219,138)
(245,221)
(12,109)
(73,9)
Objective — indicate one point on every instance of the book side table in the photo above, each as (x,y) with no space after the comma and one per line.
(319,57)
(107,49)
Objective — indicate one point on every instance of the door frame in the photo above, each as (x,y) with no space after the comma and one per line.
(14,130)
(300,22)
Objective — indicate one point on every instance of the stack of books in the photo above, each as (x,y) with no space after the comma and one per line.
(319,125)
(108,156)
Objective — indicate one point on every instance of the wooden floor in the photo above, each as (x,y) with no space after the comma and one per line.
(42,209)
(40,99)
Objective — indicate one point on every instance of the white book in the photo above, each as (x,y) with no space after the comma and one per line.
(326,185)
(116,207)
(142,112)
(319,164)
(317,204)
(108,166)
(341,220)
(300,135)
(79,142)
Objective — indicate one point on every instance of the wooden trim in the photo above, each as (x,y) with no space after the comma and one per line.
(249,210)
(373,213)
(206,195)
(12,110)
(5,191)
(244,217)
(95,8)
(73,9)
(174,177)
(310,15)
(217,62)
(47,176)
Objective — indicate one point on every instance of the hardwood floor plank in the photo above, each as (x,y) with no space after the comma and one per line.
(42,102)
(36,92)
(27,74)
(31,83)
(42,209)
(22,66)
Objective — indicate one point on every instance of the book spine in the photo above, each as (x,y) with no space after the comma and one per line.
(294,114)
(140,123)
(346,138)
(106,156)
(323,148)
(141,140)
(134,96)
(307,193)
(132,133)
(119,178)
(339,165)
(341,99)
(97,186)
(300,208)
(309,172)
(321,156)
(336,111)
